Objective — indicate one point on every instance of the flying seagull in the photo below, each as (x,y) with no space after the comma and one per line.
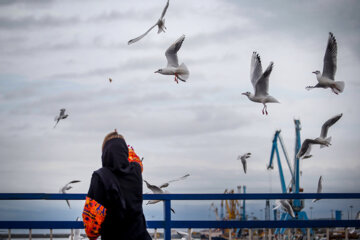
(285,205)
(159,189)
(110,80)
(319,188)
(181,72)
(260,82)
(305,149)
(160,23)
(62,115)
(66,188)
(243,160)
(325,127)
(327,78)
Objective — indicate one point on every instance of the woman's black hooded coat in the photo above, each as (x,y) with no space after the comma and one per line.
(118,187)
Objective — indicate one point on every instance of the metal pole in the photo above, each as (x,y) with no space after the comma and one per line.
(327,234)
(230,233)
(167,219)
(72,234)
(30,237)
(189,232)
(51,234)
(270,235)
(346,234)
(250,234)
(155,234)
(9,234)
(308,234)
(210,234)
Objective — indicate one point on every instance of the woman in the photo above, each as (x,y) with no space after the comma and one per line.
(113,207)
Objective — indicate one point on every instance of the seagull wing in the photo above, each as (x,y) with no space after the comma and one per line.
(255,68)
(62,112)
(178,179)
(262,85)
(171,52)
(327,124)
(164,10)
(68,203)
(243,161)
(319,188)
(153,188)
(141,36)
(305,147)
(329,69)
(287,207)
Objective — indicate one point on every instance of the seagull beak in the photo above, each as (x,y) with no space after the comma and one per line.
(243,93)
(157,71)
(314,72)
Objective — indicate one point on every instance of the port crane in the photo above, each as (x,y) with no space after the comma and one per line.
(294,185)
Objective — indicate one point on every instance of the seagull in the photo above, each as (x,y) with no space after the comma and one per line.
(243,160)
(181,72)
(319,188)
(66,188)
(159,190)
(285,205)
(110,80)
(62,115)
(327,78)
(160,23)
(260,82)
(305,149)
(325,127)
(183,235)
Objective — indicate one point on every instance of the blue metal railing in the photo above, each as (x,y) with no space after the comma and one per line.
(167,223)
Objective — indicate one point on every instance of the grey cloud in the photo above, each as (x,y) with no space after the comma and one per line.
(10,23)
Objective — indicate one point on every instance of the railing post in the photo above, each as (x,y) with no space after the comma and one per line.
(250,234)
(210,233)
(9,234)
(189,232)
(155,234)
(269,234)
(72,234)
(51,234)
(167,219)
(30,233)
(346,233)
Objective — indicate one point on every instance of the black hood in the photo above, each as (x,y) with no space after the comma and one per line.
(115,156)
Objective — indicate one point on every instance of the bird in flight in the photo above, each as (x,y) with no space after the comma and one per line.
(326,79)
(160,23)
(67,187)
(319,188)
(260,82)
(243,160)
(181,72)
(285,205)
(62,115)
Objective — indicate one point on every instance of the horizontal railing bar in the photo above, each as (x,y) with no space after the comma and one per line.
(187,196)
(190,224)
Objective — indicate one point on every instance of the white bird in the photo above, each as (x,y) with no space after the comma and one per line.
(181,72)
(327,78)
(159,190)
(160,23)
(260,82)
(66,188)
(305,149)
(183,235)
(325,127)
(243,160)
(285,205)
(62,115)
(319,188)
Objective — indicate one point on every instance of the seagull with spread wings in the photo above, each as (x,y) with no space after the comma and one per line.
(260,82)
(160,23)
(327,78)
(62,115)
(181,72)
(243,160)
(325,128)
(159,189)
(67,187)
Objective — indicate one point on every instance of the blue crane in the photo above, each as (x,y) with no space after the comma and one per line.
(294,186)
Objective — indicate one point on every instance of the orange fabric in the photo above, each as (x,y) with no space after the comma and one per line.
(93,216)
(133,157)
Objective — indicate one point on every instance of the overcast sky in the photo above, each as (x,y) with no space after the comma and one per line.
(60,54)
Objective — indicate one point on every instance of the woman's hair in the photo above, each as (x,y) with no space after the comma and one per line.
(110,136)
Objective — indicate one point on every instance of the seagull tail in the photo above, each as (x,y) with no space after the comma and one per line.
(339,86)
(327,140)
(183,72)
